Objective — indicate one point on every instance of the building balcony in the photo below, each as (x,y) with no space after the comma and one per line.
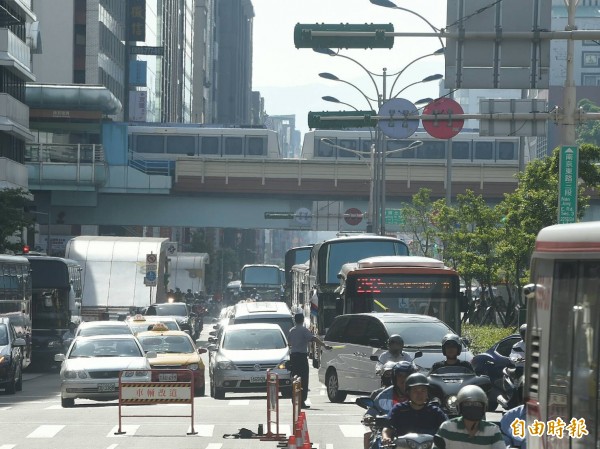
(14,112)
(15,54)
(12,174)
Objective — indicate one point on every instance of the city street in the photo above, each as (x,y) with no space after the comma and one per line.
(35,419)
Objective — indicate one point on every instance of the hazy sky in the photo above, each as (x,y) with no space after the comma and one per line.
(288,79)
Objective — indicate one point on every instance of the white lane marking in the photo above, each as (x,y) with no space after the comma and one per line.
(5,408)
(329,446)
(204,430)
(54,407)
(112,446)
(322,392)
(46,431)
(8,446)
(353,431)
(178,405)
(239,402)
(129,430)
(210,446)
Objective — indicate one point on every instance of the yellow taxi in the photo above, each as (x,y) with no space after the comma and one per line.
(175,350)
(140,323)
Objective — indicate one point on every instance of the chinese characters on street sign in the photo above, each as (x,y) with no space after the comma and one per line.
(393,216)
(567,185)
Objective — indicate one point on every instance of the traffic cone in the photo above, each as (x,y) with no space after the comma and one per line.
(307,446)
(298,432)
(305,430)
(292,442)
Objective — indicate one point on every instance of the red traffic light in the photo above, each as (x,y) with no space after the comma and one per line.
(25,249)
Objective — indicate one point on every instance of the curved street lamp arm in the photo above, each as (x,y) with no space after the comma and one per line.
(369,100)
(402,71)
(437,30)
(365,69)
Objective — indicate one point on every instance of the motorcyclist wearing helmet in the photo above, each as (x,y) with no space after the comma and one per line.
(386,378)
(394,353)
(470,429)
(451,348)
(386,398)
(415,415)
(517,353)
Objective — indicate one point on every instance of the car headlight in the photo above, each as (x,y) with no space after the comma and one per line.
(193,366)
(55,344)
(225,364)
(282,364)
(3,359)
(75,375)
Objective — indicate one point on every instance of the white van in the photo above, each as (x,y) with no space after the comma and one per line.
(275,312)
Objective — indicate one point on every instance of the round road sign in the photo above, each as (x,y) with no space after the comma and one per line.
(151,276)
(150,258)
(303,216)
(353,216)
(443,129)
(394,109)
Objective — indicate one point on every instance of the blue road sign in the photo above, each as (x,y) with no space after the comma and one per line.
(394,125)
(151,276)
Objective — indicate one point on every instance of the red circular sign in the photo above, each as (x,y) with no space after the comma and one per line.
(443,128)
(353,216)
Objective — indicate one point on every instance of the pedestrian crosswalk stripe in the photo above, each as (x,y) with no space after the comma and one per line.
(5,408)
(239,402)
(353,431)
(8,446)
(210,446)
(54,407)
(112,446)
(204,430)
(46,431)
(128,429)
(327,446)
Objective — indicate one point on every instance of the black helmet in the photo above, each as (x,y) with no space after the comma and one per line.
(414,380)
(395,339)
(471,393)
(451,339)
(523,331)
(403,367)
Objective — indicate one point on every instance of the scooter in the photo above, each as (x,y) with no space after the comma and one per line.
(375,418)
(445,383)
(410,441)
(512,394)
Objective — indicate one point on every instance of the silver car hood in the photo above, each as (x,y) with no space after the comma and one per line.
(255,356)
(106,363)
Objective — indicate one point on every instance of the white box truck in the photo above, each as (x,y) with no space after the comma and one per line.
(187,271)
(113,273)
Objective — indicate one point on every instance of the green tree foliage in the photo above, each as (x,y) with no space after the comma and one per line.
(13,217)
(417,223)
(589,130)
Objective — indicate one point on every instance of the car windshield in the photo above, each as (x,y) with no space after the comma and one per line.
(168,309)
(104,330)
(253,339)
(17,320)
(105,348)
(167,344)
(3,335)
(418,334)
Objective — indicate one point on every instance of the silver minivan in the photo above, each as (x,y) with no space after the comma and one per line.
(274,312)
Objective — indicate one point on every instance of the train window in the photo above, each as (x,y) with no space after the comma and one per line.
(256,146)
(146,143)
(233,146)
(209,145)
(351,144)
(460,150)
(432,149)
(395,149)
(484,150)
(506,151)
(365,147)
(324,149)
(181,145)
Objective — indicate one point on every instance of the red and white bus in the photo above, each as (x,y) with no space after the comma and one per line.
(563,338)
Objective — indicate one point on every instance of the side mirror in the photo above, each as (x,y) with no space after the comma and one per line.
(59,357)
(202,350)
(212,333)
(374,358)
(151,355)
(212,347)
(418,354)
(365,402)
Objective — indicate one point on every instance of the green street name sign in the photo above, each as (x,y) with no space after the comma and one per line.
(394,216)
(567,185)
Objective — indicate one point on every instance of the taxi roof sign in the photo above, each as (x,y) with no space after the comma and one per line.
(160,327)
(139,317)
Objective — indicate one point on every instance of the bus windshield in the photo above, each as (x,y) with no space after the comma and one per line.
(257,275)
(353,250)
(423,294)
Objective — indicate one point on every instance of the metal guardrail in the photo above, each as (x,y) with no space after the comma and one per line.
(79,153)
(162,168)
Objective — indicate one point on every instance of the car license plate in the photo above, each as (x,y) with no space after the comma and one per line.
(258,380)
(106,387)
(167,377)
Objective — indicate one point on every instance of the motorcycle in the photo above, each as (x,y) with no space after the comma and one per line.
(375,418)
(410,441)
(512,386)
(445,383)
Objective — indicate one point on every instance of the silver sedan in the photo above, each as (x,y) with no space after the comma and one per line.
(92,365)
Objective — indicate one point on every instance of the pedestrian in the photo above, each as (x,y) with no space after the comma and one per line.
(298,338)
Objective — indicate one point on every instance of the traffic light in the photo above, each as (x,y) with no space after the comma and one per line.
(343,119)
(374,35)
(25,249)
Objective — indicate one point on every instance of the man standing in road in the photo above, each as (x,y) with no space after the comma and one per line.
(298,338)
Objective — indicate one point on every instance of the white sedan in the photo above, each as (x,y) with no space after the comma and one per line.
(91,367)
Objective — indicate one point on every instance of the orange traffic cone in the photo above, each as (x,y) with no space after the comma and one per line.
(307,446)
(305,430)
(299,436)
(292,442)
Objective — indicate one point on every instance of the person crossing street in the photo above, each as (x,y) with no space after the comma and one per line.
(298,339)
